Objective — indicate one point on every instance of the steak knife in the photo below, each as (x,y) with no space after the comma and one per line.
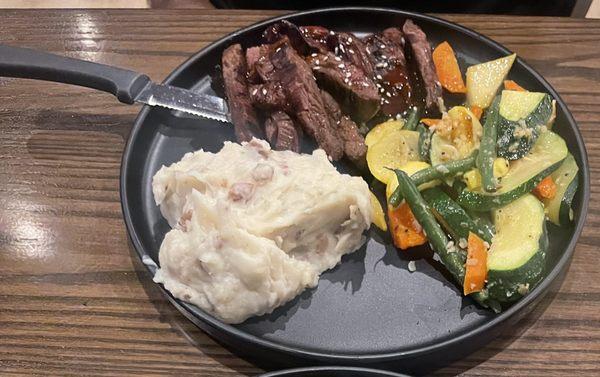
(128,86)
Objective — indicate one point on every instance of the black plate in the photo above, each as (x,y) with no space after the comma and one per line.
(369,309)
(332,372)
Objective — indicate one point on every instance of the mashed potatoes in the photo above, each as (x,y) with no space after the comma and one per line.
(253,227)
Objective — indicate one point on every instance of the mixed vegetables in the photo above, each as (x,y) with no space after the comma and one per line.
(479,182)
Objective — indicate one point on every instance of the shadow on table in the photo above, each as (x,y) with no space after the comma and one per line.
(249,364)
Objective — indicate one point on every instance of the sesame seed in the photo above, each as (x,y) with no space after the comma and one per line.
(351,51)
(341,65)
(337,59)
(365,84)
(349,39)
(385,65)
(317,62)
(342,48)
(325,58)
(383,57)
(254,91)
(317,68)
(379,77)
(382,46)
(388,94)
(313,54)
(331,32)
(346,80)
(264,91)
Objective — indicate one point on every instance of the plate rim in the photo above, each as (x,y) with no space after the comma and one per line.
(201,318)
(292,371)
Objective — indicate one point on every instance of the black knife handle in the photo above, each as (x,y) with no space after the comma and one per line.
(32,64)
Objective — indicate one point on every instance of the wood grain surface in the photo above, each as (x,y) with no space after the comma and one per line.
(74,300)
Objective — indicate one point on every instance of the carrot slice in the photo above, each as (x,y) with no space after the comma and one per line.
(447,68)
(477,111)
(546,189)
(405,229)
(511,85)
(476,266)
(430,121)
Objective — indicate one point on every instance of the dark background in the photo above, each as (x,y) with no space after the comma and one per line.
(521,7)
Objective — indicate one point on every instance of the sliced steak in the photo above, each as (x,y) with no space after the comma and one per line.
(269,96)
(317,36)
(304,97)
(351,49)
(348,84)
(422,54)
(243,115)
(386,51)
(259,64)
(252,56)
(332,107)
(281,132)
(300,39)
(354,143)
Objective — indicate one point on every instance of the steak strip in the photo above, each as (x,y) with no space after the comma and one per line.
(386,51)
(269,96)
(354,143)
(422,54)
(282,133)
(348,84)
(300,39)
(351,49)
(286,67)
(243,115)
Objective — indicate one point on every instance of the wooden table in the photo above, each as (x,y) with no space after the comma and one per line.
(73,297)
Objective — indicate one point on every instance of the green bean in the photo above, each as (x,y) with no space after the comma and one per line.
(439,171)
(453,260)
(482,220)
(424,141)
(412,120)
(487,154)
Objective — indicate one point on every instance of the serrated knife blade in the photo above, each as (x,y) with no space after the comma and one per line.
(175,98)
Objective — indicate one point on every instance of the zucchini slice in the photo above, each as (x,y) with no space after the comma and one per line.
(410,168)
(546,156)
(392,151)
(453,217)
(379,131)
(522,117)
(558,209)
(483,80)
(517,255)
